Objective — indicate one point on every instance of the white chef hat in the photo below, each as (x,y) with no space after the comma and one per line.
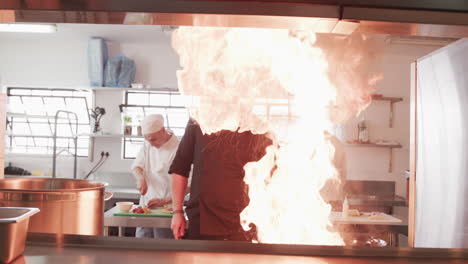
(152,124)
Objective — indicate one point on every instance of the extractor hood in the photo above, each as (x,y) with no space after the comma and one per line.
(429,18)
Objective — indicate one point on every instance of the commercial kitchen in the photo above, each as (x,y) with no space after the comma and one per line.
(362,104)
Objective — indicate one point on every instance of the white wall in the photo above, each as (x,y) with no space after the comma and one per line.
(372,163)
(60,60)
(54,60)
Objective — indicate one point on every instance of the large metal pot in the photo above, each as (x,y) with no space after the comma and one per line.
(68,206)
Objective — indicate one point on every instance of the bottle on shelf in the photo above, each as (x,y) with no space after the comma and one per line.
(345,208)
(363,132)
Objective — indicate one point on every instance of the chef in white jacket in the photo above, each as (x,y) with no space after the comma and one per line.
(151,167)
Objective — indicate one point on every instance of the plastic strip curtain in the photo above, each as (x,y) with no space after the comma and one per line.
(442,148)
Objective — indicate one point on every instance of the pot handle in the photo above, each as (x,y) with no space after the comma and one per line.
(110,196)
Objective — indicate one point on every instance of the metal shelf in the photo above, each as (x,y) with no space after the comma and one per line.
(385,98)
(96,88)
(37,136)
(392,101)
(161,89)
(33,116)
(109,136)
(374,145)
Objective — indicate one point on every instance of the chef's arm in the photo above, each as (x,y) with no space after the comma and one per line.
(179,184)
(141,183)
(138,173)
(179,188)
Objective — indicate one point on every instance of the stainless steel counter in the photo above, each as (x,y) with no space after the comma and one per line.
(373,200)
(46,248)
(378,200)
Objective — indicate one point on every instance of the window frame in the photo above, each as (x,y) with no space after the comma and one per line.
(47,119)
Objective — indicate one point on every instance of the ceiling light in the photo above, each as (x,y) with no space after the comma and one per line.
(138,19)
(345,27)
(29,28)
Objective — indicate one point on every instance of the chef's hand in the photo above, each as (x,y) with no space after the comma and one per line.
(142,187)
(153,203)
(178,225)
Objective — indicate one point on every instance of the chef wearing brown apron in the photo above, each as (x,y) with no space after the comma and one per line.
(218,193)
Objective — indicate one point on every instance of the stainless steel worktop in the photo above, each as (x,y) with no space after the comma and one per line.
(377,200)
(38,254)
(373,200)
(46,248)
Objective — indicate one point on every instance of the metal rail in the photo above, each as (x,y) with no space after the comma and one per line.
(75,141)
(107,246)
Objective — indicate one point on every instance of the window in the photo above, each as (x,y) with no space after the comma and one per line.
(171,104)
(281,113)
(277,112)
(138,104)
(31,116)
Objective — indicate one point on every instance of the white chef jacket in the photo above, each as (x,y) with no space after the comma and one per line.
(155,164)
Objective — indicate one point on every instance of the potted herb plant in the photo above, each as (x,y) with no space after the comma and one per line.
(127,125)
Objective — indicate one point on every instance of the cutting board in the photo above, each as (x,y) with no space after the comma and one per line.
(158,212)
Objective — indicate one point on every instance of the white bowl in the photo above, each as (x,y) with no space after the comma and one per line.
(125,206)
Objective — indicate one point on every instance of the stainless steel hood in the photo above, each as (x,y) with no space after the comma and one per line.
(431,18)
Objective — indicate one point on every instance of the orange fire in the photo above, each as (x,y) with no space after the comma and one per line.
(233,71)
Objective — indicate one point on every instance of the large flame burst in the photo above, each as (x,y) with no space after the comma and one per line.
(231,71)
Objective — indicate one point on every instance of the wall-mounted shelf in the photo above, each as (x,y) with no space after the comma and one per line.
(17,115)
(109,136)
(37,136)
(385,98)
(160,89)
(96,88)
(392,101)
(390,147)
(374,145)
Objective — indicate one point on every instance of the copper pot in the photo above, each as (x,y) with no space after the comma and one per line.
(68,206)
